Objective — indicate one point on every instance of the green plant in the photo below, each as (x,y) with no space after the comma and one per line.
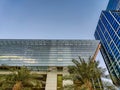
(21,79)
(59,82)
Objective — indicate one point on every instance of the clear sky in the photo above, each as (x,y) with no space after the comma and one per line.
(50,19)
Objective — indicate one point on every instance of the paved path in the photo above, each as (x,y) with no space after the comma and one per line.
(51,82)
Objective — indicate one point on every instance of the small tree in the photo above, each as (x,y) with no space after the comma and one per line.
(86,74)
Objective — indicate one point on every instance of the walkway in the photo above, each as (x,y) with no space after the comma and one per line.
(51,82)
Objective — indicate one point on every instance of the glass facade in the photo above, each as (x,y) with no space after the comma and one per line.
(108,32)
(44,53)
(113,5)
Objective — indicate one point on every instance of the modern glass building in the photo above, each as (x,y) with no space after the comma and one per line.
(108,32)
(113,5)
(44,54)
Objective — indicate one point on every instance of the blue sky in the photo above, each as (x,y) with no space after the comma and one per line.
(50,19)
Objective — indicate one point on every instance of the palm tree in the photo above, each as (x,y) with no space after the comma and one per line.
(20,79)
(86,74)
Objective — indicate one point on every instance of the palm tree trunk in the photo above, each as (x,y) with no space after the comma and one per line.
(89,85)
(17,86)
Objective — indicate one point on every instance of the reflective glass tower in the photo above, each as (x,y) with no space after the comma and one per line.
(113,5)
(108,32)
(42,54)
